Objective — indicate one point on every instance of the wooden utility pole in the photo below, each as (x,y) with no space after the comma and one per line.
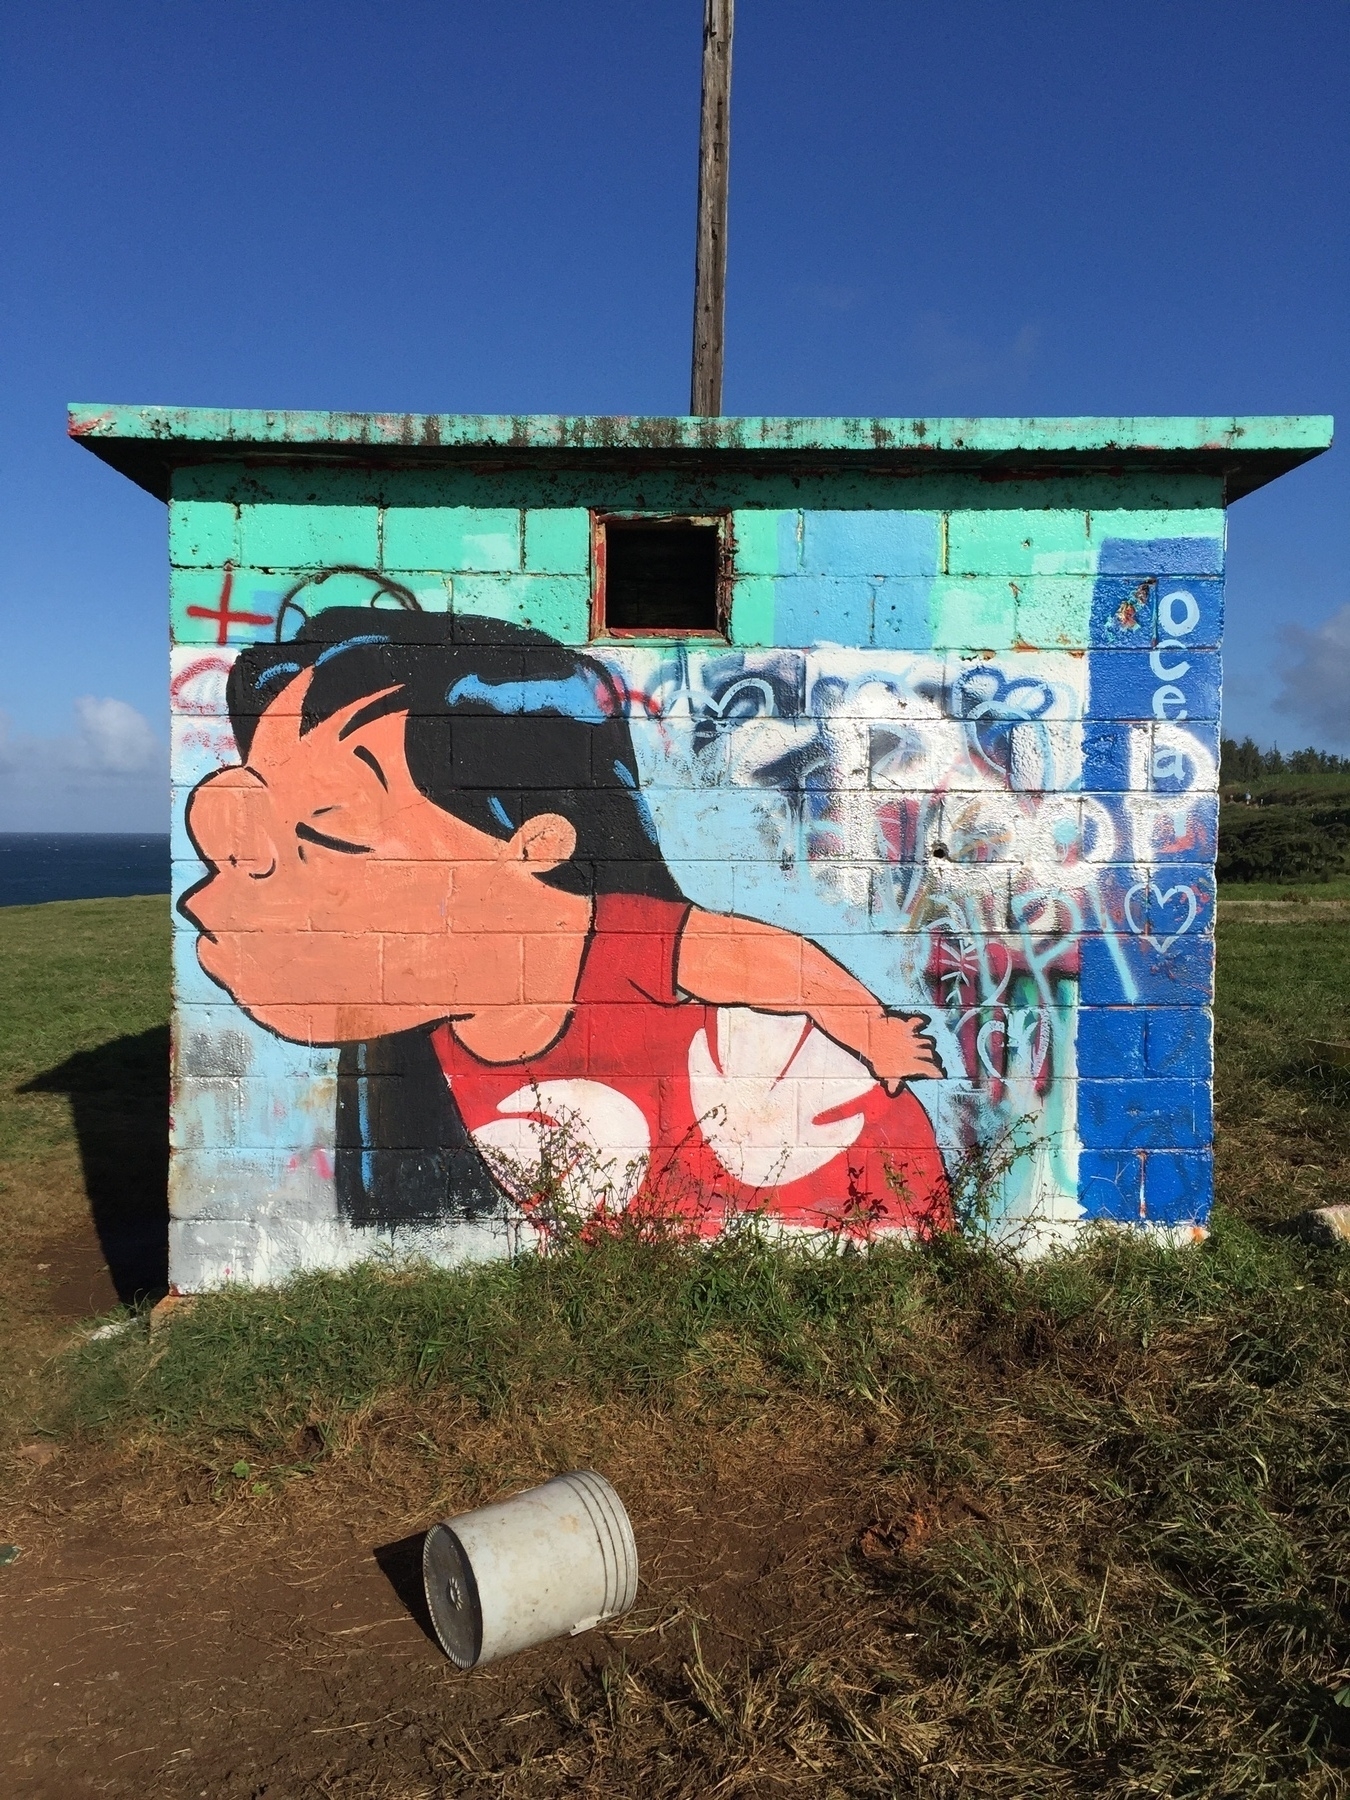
(710,265)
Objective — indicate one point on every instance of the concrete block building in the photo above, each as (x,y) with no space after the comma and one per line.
(807,818)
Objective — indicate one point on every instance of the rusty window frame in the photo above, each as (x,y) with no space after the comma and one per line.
(718,520)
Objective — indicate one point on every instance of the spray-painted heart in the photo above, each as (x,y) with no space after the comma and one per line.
(983,966)
(1150,888)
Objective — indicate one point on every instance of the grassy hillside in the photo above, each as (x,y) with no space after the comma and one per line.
(1295,831)
(1318,789)
(84,1010)
(1284,817)
(1077,1529)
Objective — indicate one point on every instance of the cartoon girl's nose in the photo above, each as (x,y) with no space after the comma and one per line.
(229,820)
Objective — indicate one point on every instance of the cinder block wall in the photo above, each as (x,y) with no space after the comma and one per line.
(963,740)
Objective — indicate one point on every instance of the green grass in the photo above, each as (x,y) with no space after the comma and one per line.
(1291,790)
(1283,1112)
(1139,1457)
(74,976)
(1304,893)
(84,1007)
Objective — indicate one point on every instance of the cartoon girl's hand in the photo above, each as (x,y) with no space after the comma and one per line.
(900,1050)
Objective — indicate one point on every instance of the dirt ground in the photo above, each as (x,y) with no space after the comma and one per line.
(166,1631)
(72,1277)
(240,1650)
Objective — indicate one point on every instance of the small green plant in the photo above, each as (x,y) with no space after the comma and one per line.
(569,1191)
(976,1186)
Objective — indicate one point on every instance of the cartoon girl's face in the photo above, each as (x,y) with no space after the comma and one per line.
(343,904)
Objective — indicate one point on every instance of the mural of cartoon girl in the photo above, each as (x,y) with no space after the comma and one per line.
(435,854)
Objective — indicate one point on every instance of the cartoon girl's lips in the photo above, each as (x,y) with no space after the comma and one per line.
(226,900)
(189,906)
(213,962)
(214,906)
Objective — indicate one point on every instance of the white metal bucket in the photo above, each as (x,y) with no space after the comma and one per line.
(554,1559)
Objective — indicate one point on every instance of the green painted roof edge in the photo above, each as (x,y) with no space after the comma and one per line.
(548,431)
(146,442)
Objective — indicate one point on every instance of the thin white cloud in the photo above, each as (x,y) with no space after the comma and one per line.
(948,358)
(110,773)
(1315,686)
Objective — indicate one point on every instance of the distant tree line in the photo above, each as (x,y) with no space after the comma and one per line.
(1247,761)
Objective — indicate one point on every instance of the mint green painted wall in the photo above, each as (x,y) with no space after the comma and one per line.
(945,562)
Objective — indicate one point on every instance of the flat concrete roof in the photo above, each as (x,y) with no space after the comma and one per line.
(146,443)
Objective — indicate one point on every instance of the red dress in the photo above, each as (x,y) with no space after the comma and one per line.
(682,1108)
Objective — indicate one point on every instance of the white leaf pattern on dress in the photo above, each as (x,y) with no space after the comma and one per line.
(600,1145)
(758,1100)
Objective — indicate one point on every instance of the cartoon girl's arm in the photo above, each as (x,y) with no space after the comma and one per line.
(739,962)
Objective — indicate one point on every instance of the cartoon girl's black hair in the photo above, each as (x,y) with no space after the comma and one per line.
(502,723)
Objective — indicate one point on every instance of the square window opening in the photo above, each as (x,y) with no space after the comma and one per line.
(659,575)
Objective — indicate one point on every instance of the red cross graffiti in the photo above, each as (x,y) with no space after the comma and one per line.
(222,614)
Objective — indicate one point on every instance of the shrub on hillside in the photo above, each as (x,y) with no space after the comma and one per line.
(1283,843)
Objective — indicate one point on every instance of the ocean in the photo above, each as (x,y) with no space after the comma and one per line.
(37,866)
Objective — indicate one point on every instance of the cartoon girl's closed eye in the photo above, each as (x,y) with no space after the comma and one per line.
(436,855)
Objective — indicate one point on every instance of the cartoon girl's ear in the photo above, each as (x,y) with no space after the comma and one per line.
(544,841)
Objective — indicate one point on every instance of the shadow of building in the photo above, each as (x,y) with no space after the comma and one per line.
(119,1096)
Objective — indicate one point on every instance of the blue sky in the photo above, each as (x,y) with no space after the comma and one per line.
(960,207)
